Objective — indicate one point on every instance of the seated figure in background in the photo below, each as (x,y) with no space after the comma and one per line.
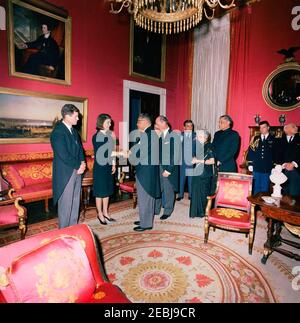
(47,54)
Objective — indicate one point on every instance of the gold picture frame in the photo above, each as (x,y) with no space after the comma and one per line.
(281,89)
(29,117)
(147,57)
(39,42)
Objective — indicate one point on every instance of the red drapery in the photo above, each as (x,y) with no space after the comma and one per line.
(240,26)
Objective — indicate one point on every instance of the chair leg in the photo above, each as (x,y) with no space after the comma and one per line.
(23,233)
(206,230)
(134,200)
(251,240)
(47,205)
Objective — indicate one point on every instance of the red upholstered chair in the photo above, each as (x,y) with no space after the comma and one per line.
(57,266)
(232,211)
(11,213)
(128,186)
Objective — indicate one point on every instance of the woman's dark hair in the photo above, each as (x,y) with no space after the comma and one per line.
(101,119)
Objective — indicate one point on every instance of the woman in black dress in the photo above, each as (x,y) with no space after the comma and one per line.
(104,166)
(202,173)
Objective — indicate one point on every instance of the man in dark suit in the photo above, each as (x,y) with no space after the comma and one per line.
(288,155)
(260,158)
(169,159)
(147,172)
(188,151)
(68,166)
(47,54)
(226,145)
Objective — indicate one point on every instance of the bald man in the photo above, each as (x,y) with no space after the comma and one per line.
(288,155)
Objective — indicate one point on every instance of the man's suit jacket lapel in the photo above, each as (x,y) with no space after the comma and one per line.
(73,146)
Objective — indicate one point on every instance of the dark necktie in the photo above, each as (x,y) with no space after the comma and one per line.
(291,139)
(74,135)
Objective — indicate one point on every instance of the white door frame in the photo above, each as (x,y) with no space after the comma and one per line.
(131,85)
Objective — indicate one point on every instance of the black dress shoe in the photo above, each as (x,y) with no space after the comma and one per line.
(141,229)
(102,222)
(165,216)
(179,199)
(109,219)
(136,222)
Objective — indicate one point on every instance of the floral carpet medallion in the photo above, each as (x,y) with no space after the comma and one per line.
(162,267)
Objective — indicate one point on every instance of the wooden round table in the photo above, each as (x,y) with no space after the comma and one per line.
(284,210)
(86,185)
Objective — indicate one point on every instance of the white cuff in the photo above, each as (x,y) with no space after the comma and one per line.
(295,164)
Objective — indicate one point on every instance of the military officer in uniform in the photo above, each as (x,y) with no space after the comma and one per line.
(260,158)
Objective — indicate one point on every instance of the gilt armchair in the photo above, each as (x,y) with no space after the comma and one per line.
(128,186)
(58,266)
(232,211)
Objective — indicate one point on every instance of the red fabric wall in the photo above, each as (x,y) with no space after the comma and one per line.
(100,63)
(270,30)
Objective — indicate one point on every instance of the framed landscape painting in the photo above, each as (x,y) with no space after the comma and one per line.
(147,53)
(29,117)
(39,42)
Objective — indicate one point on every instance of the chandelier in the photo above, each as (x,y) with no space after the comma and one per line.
(168,16)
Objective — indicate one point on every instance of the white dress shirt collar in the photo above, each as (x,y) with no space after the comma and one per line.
(69,127)
(47,35)
(264,136)
(165,132)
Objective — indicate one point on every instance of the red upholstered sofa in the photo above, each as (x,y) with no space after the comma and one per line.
(30,174)
(32,180)
(57,266)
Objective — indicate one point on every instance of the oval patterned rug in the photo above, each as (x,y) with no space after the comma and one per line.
(173,267)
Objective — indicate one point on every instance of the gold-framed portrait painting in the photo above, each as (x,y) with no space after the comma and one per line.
(39,42)
(147,53)
(29,117)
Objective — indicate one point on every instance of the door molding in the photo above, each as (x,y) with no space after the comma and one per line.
(131,85)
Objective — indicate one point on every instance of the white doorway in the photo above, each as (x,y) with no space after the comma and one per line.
(130,85)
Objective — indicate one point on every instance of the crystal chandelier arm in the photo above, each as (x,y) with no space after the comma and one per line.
(213,4)
(207,16)
(124,4)
(226,6)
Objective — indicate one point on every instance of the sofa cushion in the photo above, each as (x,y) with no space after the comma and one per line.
(58,271)
(39,190)
(35,172)
(8,215)
(230,217)
(12,175)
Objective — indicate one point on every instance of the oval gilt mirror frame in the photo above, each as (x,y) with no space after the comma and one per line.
(281,89)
